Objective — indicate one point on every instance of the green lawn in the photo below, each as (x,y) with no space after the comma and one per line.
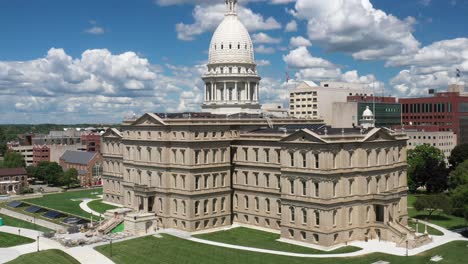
(430,230)
(100,207)
(172,250)
(11,240)
(253,238)
(440,219)
(54,256)
(64,201)
(10,221)
(411,199)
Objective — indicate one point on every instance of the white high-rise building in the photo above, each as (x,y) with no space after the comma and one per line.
(231,80)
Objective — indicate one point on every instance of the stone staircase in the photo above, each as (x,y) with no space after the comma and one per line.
(406,237)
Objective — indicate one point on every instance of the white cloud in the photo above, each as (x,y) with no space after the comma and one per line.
(262,63)
(299,42)
(356,27)
(95,30)
(301,58)
(317,69)
(97,87)
(262,49)
(208,17)
(433,66)
(291,26)
(264,38)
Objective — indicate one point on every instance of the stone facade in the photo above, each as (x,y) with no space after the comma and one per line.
(309,182)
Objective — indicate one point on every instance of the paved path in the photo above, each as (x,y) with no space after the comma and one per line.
(84,206)
(31,219)
(373,246)
(84,254)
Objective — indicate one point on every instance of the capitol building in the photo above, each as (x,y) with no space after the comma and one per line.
(230,165)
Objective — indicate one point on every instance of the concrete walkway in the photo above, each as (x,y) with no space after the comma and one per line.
(84,254)
(84,206)
(373,246)
(31,219)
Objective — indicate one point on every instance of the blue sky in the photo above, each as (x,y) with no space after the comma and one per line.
(100,61)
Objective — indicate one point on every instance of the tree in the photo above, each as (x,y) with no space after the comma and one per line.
(50,172)
(13,160)
(427,168)
(433,203)
(3,141)
(459,199)
(458,176)
(69,177)
(458,155)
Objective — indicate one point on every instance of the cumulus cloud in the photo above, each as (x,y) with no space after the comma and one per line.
(433,66)
(291,26)
(208,17)
(262,49)
(299,42)
(264,38)
(98,85)
(357,28)
(318,69)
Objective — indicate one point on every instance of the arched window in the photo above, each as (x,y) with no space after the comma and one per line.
(222,46)
(335,213)
(317,217)
(278,206)
(292,214)
(205,206)
(174,205)
(246,202)
(317,190)
(304,187)
(184,208)
(350,215)
(197,207)
(160,205)
(223,204)
(215,205)
(368,185)
(304,216)
(368,214)
(291,186)
(267,203)
(230,46)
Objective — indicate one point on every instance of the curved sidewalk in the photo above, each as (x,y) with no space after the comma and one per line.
(372,246)
(84,206)
(83,254)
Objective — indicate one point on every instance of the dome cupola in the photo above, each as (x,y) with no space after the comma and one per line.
(231,42)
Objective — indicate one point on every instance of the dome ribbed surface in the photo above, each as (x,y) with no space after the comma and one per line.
(231,43)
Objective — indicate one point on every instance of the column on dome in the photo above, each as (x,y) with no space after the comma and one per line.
(258,91)
(225,92)
(206,92)
(234,93)
(211,89)
(247,98)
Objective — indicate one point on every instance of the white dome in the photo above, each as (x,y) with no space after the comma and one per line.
(367,112)
(231,43)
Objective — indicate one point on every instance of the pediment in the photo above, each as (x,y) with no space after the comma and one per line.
(112,133)
(149,119)
(378,134)
(303,136)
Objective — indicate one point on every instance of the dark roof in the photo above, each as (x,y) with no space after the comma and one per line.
(53,214)
(34,209)
(319,129)
(78,157)
(15,204)
(12,171)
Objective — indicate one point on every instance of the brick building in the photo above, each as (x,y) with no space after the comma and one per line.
(446,111)
(12,180)
(88,165)
(92,142)
(40,153)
